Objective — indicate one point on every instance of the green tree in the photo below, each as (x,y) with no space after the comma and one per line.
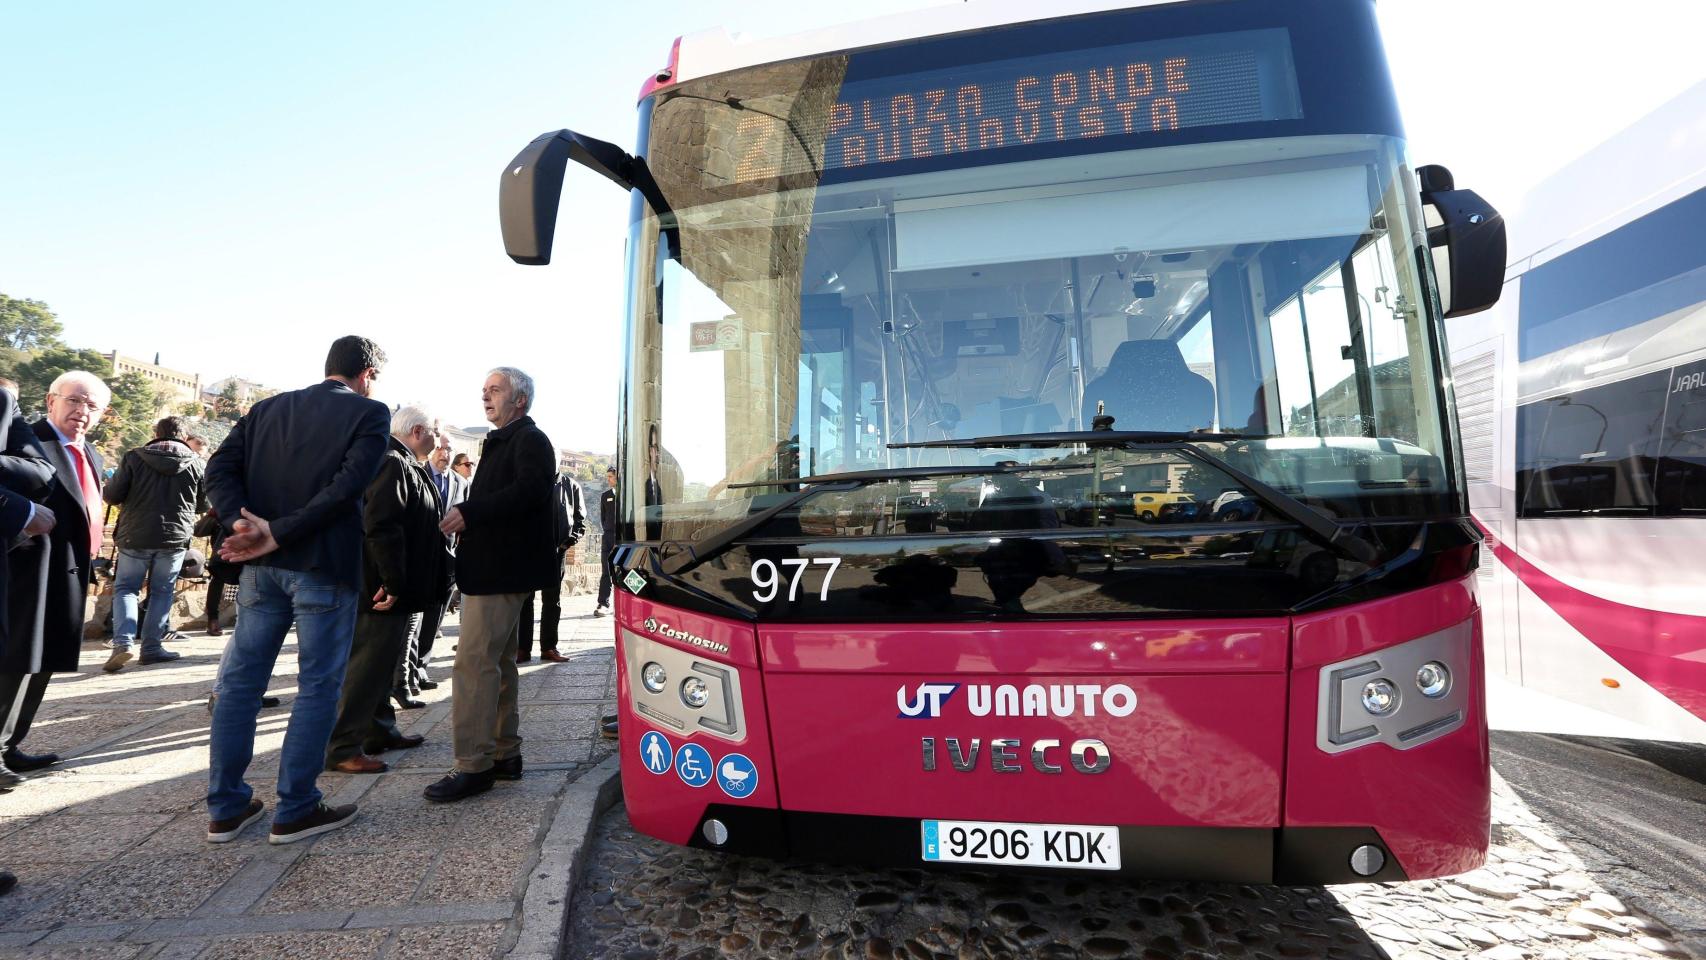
(129,420)
(227,407)
(27,324)
(37,372)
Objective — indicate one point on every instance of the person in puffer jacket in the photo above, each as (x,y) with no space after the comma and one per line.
(160,489)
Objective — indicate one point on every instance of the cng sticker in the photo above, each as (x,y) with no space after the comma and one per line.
(693,765)
(737,775)
(634,582)
(656,752)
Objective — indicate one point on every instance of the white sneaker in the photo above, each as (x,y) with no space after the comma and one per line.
(601,612)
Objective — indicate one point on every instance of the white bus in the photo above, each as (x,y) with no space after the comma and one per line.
(1582,400)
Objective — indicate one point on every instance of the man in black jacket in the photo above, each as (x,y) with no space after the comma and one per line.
(48,579)
(22,473)
(569,521)
(162,488)
(287,484)
(18,517)
(411,677)
(607,523)
(506,552)
(406,564)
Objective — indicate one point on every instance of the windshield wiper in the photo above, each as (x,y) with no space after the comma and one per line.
(692,555)
(1320,527)
(1094,438)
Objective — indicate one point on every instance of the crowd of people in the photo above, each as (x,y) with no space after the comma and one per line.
(334,515)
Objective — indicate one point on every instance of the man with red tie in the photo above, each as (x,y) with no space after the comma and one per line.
(49,576)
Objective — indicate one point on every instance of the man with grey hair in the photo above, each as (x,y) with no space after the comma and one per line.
(46,632)
(506,552)
(405,567)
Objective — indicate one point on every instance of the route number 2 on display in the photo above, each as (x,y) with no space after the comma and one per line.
(767,579)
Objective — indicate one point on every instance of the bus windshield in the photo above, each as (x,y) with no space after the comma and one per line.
(802,309)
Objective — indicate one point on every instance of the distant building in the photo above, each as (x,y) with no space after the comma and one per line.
(179,386)
(248,391)
(466,439)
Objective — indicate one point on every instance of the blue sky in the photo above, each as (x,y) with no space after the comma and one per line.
(232,186)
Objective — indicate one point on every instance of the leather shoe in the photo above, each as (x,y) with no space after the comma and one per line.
(20,762)
(509,769)
(429,684)
(524,658)
(159,656)
(402,741)
(360,763)
(7,882)
(405,702)
(553,656)
(607,729)
(459,785)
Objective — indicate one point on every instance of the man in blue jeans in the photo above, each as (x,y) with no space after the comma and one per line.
(160,489)
(287,483)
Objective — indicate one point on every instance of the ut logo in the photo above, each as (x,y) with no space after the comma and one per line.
(927,703)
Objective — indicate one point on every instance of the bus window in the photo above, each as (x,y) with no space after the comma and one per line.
(1681,485)
(1591,451)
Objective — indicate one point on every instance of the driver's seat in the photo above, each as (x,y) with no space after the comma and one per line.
(1147,386)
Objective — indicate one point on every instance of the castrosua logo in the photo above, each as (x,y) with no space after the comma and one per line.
(657,628)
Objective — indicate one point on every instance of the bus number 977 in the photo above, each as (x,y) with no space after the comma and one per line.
(767,579)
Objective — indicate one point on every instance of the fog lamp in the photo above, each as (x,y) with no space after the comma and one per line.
(694,692)
(1433,679)
(1379,697)
(654,677)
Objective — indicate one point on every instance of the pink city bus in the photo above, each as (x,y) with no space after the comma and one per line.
(1035,448)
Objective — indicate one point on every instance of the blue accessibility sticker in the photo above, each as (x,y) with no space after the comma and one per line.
(737,775)
(693,765)
(656,752)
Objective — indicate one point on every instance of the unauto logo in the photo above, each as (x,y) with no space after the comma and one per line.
(927,702)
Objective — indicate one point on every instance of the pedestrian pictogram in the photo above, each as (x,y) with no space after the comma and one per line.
(656,752)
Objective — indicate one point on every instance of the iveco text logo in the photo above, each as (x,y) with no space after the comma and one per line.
(665,630)
(1031,700)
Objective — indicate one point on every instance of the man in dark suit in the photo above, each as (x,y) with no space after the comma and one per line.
(48,579)
(287,484)
(406,565)
(411,676)
(21,474)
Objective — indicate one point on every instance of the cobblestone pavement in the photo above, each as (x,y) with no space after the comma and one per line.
(111,852)
(1536,898)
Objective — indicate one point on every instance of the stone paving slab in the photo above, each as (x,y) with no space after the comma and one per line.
(111,852)
(1536,899)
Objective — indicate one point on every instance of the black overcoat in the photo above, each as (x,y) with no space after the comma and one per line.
(48,582)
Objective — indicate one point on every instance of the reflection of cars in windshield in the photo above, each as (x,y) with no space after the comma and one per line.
(1148,506)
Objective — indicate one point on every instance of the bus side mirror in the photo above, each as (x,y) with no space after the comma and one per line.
(532,187)
(1467,238)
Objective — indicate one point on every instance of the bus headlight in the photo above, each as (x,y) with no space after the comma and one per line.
(1379,697)
(1433,680)
(654,677)
(1362,701)
(694,692)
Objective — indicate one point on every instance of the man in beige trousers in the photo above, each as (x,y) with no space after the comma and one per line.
(506,552)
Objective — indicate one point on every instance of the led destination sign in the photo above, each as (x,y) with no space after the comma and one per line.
(1107,93)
